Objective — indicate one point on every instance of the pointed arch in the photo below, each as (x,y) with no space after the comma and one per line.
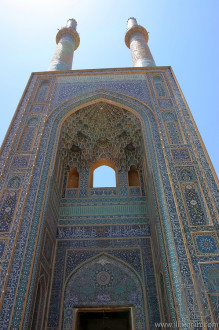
(133,177)
(107,255)
(139,109)
(73,178)
(121,100)
(101,279)
(152,143)
(99,163)
(153,151)
(42,91)
(60,114)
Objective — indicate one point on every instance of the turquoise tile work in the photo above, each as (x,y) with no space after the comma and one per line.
(151,244)
(101,210)
(206,243)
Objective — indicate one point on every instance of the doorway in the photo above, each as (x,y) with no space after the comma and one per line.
(105,318)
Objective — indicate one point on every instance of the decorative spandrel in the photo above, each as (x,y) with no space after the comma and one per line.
(101,131)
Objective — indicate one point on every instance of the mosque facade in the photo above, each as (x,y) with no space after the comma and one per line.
(133,256)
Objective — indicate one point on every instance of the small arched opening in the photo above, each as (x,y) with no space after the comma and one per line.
(103,174)
(133,177)
(42,91)
(73,178)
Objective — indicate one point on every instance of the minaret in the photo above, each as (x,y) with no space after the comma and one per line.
(136,39)
(67,40)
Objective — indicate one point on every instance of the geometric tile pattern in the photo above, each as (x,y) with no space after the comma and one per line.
(180,155)
(103,231)
(7,209)
(14,181)
(103,282)
(123,251)
(210,273)
(214,302)
(206,243)
(132,85)
(67,211)
(103,192)
(64,185)
(159,86)
(186,174)
(71,193)
(172,128)
(32,121)
(174,135)
(101,131)
(42,92)
(26,141)
(135,191)
(36,109)
(20,162)
(3,247)
(165,103)
(190,187)
(169,115)
(194,204)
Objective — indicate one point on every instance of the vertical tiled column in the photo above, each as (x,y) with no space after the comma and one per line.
(84,176)
(123,183)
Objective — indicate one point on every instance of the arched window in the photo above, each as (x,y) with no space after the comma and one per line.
(73,178)
(159,86)
(103,174)
(42,91)
(133,177)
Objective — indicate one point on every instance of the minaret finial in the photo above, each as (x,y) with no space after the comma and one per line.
(67,40)
(136,39)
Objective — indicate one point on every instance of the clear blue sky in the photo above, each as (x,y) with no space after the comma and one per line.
(183,34)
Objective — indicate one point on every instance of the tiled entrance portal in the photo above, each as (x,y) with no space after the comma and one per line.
(103,319)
